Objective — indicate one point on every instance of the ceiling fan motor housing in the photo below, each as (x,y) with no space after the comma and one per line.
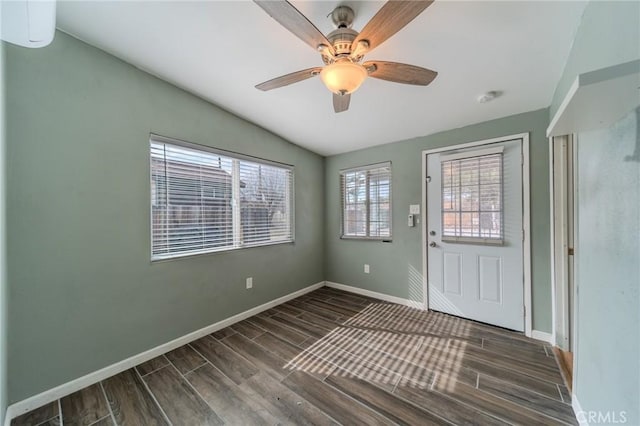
(341,39)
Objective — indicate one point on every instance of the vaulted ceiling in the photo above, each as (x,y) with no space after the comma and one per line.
(220,50)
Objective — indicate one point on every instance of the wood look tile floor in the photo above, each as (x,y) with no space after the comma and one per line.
(331,357)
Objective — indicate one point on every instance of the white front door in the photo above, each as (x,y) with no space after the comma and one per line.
(475,233)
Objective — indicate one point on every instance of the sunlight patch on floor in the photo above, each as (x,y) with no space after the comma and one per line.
(392,345)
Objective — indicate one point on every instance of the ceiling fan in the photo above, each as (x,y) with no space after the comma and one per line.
(343,49)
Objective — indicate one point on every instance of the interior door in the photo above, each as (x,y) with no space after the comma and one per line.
(475,233)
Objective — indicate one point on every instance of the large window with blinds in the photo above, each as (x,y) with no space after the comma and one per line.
(205,200)
(472,197)
(366,202)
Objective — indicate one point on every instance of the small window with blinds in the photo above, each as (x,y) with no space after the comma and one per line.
(472,197)
(366,202)
(204,200)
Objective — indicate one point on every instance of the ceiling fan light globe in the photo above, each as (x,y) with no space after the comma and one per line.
(343,77)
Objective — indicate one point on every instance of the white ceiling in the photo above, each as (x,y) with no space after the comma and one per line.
(220,50)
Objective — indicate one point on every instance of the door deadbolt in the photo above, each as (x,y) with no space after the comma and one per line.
(432,233)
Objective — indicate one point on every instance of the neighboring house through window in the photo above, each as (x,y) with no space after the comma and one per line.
(366,202)
(205,200)
(472,197)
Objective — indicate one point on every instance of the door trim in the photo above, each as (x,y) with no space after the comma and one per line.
(561,239)
(526,218)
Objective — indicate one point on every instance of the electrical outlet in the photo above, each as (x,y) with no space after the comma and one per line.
(366,268)
(249,282)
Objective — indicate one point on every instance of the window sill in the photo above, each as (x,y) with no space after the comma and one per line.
(178,256)
(380,239)
(473,240)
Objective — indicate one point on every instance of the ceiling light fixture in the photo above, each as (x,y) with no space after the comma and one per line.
(343,77)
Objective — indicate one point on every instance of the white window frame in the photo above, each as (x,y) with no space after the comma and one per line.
(236,223)
(368,236)
(467,155)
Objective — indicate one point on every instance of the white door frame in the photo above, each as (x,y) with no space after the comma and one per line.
(576,278)
(561,261)
(526,218)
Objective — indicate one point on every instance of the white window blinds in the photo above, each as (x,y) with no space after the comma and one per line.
(203,200)
(366,202)
(472,198)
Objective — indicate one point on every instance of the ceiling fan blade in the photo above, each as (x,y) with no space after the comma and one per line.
(390,19)
(291,18)
(341,102)
(400,73)
(285,80)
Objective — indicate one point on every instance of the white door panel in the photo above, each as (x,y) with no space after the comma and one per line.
(473,275)
(490,278)
(452,268)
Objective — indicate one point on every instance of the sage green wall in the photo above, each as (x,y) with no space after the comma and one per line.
(609,34)
(3,252)
(82,291)
(396,267)
(607,369)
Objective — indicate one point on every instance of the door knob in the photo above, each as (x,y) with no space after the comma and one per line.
(432,244)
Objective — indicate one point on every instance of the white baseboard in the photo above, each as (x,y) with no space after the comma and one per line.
(26,405)
(375,295)
(582,420)
(535,334)
(541,335)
